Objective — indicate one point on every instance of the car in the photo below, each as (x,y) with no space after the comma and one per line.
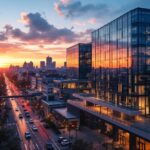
(25,110)
(34,128)
(27,114)
(17,109)
(27,135)
(20,116)
(49,146)
(65,142)
(60,139)
(31,121)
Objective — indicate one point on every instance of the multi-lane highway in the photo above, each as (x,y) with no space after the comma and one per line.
(38,138)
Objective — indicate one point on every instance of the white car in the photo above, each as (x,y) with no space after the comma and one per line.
(65,142)
(34,128)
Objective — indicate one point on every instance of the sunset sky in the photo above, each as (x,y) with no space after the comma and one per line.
(34,29)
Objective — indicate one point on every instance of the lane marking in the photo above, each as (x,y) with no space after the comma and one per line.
(37,146)
(33,145)
(25,146)
(54,143)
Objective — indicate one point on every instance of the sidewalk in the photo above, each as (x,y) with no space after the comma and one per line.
(88,135)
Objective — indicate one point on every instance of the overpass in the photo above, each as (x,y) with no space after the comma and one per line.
(19,96)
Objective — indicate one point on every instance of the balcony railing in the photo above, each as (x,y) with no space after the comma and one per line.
(131,126)
(102,113)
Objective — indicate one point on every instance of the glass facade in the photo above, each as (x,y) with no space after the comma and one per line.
(121,61)
(79,61)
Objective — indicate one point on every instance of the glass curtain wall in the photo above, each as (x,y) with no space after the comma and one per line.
(73,62)
(121,61)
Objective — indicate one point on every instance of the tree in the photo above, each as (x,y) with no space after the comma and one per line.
(9,139)
(80,144)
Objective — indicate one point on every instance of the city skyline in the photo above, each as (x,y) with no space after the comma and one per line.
(32,30)
(78,75)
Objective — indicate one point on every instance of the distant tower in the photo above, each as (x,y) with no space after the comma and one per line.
(42,64)
(48,62)
(65,64)
(25,65)
(54,64)
(30,65)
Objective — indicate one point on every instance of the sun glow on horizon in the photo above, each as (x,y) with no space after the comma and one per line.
(5,62)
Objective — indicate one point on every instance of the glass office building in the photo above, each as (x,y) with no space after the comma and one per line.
(79,61)
(121,61)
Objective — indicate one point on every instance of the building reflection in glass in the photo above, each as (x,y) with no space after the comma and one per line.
(121,61)
(79,61)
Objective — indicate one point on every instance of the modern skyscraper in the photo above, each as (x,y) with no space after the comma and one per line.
(121,81)
(49,62)
(121,61)
(79,61)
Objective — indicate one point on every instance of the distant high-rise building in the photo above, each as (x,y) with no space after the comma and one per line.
(28,66)
(25,65)
(54,64)
(49,62)
(42,64)
(65,64)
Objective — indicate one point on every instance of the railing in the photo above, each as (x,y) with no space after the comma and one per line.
(127,125)
(100,113)
(16,96)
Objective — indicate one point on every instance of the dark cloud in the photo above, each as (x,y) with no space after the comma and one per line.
(77,9)
(39,30)
(2,36)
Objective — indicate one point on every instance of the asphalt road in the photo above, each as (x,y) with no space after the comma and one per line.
(38,138)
